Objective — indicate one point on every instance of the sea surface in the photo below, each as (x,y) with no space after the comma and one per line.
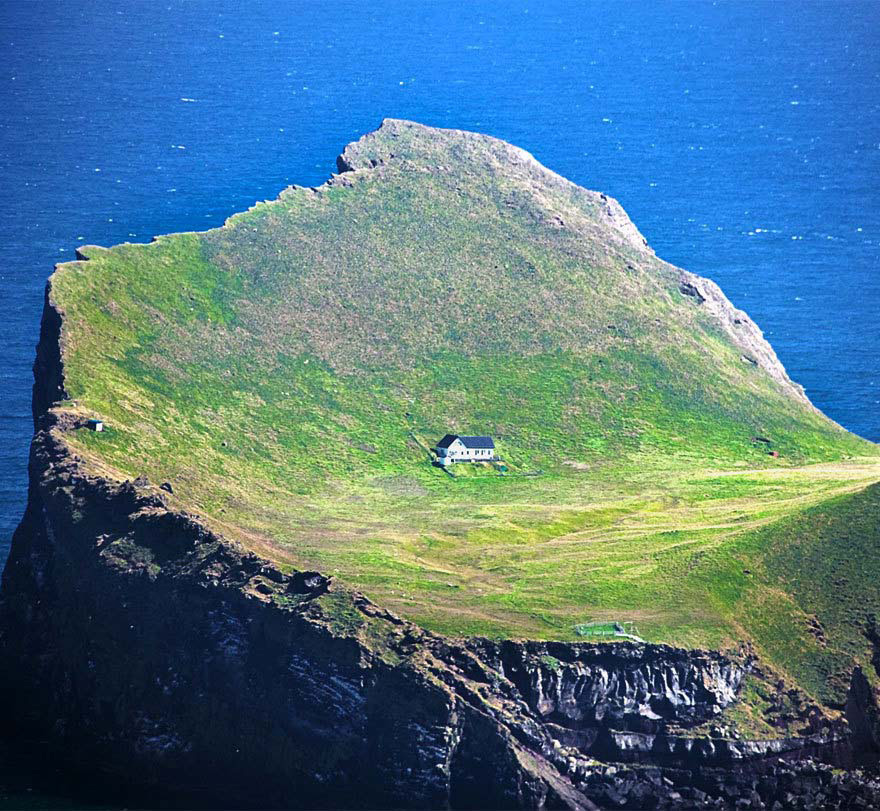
(742,138)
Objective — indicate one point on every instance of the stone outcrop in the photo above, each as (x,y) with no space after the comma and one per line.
(744,332)
(628,686)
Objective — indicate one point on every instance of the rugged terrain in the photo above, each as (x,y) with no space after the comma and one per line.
(199,596)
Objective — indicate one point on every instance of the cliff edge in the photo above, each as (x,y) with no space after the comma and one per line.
(154,634)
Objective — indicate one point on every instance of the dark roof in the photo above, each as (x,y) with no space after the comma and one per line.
(447,440)
(467,441)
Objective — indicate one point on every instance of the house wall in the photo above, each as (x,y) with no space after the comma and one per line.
(458,452)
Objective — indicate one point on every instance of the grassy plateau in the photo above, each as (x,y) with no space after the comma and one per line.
(286,373)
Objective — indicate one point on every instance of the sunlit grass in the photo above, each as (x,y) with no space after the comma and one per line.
(287,372)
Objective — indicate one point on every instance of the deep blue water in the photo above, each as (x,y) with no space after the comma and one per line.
(743,139)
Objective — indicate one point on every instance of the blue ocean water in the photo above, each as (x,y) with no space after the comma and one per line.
(743,139)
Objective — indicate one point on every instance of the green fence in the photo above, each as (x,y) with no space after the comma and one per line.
(604,630)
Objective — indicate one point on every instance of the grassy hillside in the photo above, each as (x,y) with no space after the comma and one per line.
(817,570)
(287,371)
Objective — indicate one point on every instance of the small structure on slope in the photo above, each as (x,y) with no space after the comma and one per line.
(456,448)
(95,425)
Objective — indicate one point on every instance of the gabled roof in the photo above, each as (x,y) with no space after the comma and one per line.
(467,441)
(447,440)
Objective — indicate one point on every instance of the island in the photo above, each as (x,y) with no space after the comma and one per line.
(255,585)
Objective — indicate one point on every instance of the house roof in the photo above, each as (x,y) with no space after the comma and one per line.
(447,440)
(467,441)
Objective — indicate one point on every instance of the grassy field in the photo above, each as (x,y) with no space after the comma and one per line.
(287,371)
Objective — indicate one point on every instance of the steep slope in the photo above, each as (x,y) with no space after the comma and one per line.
(198,596)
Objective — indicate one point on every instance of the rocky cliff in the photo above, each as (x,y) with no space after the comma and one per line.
(151,647)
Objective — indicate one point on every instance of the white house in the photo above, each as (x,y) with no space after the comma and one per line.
(454,448)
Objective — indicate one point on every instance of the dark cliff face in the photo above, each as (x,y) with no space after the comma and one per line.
(152,648)
(863,714)
(639,687)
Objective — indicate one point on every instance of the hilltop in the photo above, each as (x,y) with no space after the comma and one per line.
(286,373)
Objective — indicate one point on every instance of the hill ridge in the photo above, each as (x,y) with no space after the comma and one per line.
(369,153)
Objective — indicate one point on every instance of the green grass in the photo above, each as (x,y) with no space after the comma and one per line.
(814,585)
(288,371)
